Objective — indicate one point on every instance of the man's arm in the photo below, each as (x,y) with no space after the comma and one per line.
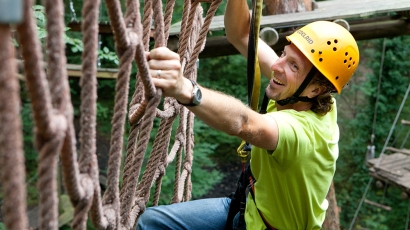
(217,110)
(237,22)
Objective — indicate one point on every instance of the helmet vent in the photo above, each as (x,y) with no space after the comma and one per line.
(334,48)
(320,59)
(348,66)
(320,52)
(346,53)
(335,41)
(337,77)
(329,42)
(312,51)
(345,61)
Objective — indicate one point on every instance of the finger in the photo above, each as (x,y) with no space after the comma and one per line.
(157,73)
(163,53)
(147,55)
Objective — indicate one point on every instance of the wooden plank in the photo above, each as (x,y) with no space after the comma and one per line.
(392,168)
(328,10)
(385,207)
(404,122)
(396,150)
(75,71)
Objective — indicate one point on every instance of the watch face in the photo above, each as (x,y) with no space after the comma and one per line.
(197,95)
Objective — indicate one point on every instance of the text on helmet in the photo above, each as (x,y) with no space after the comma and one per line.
(305,36)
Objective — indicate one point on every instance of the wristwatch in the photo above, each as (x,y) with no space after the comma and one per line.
(196,95)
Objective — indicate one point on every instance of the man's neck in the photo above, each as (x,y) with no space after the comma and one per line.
(299,106)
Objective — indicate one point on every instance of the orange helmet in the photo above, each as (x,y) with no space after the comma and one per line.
(330,48)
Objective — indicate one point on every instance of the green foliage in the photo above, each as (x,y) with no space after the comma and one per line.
(2,227)
(356,125)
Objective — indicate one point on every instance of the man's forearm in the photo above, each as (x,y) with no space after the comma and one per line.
(222,112)
(237,21)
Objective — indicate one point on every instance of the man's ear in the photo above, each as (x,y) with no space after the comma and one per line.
(315,90)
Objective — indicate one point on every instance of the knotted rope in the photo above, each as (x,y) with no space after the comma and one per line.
(53,115)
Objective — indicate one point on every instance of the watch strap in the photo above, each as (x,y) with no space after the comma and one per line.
(191,104)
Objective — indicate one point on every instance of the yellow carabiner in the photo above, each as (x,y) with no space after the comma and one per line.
(242,153)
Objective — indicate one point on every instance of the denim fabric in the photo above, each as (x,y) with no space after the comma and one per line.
(192,215)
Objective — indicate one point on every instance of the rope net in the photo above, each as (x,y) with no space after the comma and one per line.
(117,207)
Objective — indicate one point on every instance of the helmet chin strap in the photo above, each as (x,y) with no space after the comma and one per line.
(295,98)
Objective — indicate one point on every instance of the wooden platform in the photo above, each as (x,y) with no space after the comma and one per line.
(392,168)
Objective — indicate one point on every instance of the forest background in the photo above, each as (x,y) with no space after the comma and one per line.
(363,110)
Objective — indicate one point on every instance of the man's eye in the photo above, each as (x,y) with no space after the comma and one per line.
(282,54)
(294,66)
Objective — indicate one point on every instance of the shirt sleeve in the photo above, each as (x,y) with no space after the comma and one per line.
(294,137)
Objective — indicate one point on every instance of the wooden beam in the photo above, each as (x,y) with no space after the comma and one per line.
(361,30)
(75,71)
(395,150)
(404,122)
(385,207)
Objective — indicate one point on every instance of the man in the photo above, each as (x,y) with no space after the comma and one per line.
(294,145)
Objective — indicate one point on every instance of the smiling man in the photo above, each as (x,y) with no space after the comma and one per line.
(295,145)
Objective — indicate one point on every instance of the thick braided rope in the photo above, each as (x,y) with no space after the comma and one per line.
(11,138)
(169,8)
(47,176)
(146,125)
(56,60)
(118,122)
(180,178)
(88,159)
(202,36)
(161,143)
(146,128)
(133,164)
(187,170)
(183,178)
(126,41)
(177,150)
(179,144)
(36,79)
(50,127)
(132,167)
(184,40)
(60,94)
(117,24)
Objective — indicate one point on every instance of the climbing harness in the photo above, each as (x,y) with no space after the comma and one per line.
(245,184)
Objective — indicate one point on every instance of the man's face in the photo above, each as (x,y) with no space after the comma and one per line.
(289,70)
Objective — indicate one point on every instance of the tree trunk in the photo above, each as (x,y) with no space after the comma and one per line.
(286,6)
(332,213)
(293,6)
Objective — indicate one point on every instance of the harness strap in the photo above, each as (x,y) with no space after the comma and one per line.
(252,180)
(295,98)
(238,203)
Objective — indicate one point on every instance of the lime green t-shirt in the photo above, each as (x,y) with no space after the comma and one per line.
(293,181)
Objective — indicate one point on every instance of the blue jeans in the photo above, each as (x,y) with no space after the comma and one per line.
(192,215)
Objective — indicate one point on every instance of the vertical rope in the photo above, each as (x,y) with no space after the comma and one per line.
(50,126)
(11,139)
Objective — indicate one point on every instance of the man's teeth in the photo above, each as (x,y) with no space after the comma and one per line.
(277,80)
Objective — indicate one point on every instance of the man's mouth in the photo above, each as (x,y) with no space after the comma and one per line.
(275,80)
